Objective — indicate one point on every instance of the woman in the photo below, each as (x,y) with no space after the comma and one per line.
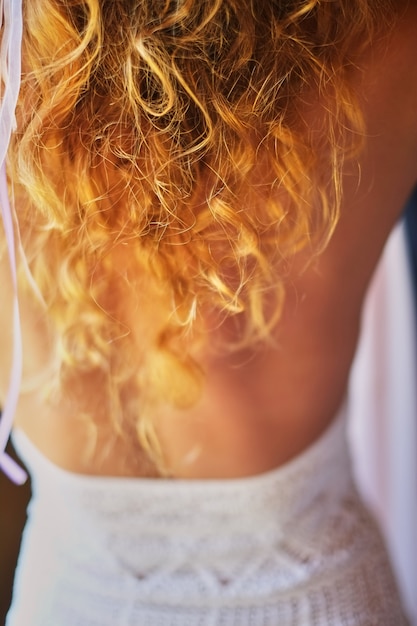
(202,191)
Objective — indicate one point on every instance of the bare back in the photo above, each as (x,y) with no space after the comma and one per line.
(261,407)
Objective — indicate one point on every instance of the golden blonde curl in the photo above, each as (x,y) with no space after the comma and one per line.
(143,125)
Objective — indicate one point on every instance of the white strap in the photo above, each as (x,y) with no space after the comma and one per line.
(10,69)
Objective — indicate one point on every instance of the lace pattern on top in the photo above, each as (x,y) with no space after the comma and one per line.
(290,547)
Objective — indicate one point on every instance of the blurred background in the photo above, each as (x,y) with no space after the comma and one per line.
(13,503)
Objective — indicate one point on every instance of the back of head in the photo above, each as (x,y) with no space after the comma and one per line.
(170,159)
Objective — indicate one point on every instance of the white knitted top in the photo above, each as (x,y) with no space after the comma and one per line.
(290,547)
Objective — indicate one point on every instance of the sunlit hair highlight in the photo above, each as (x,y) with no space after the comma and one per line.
(165,153)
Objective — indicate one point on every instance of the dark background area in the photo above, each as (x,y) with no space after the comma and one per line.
(13,503)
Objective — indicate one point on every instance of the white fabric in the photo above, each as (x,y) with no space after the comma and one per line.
(383,411)
(11,26)
(290,547)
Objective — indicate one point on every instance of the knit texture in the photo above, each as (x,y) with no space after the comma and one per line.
(292,547)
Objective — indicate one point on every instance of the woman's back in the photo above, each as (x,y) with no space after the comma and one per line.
(202,193)
(261,404)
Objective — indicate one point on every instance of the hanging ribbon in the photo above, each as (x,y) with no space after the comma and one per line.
(10,72)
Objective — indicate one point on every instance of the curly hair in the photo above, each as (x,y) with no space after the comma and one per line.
(163,153)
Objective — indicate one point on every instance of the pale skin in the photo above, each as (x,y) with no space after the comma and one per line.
(261,408)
